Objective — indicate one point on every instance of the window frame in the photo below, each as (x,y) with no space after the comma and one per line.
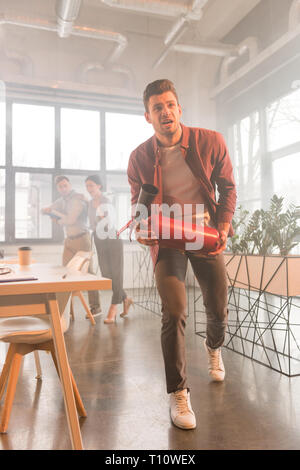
(267,156)
(10,170)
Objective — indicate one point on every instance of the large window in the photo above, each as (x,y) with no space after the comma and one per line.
(283,117)
(247,160)
(2,124)
(2,205)
(266,153)
(33,191)
(39,140)
(283,139)
(2,159)
(119,196)
(124,132)
(33,136)
(286,171)
(80,139)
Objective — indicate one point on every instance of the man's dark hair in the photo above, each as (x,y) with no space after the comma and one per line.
(157,88)
(60,178)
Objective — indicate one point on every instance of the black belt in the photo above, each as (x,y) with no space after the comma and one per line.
(73,237)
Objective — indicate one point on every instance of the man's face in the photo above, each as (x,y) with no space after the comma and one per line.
(64,187)
(164,114)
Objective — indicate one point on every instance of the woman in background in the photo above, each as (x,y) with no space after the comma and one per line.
(109,250)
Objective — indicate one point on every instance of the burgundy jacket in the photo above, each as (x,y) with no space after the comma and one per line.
(206,154)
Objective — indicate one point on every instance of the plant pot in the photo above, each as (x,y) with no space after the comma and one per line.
(273,274)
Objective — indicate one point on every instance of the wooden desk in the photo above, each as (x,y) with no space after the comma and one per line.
(37,297)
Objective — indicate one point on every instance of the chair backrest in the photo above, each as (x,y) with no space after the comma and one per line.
(80,262)
(31,329)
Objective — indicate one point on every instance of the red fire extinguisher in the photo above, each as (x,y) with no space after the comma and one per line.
(173,233)
(183,235)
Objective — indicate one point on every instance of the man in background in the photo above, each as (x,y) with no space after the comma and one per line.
(70,211)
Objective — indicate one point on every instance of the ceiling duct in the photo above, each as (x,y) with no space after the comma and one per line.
(184,13)
(160,8)
(31,23)
(250,45)
(25,62)
(81,31)
(93,33)
(87,67)
(176,29)
(294,14)
(169,46)
(67,12)
(194,12)
(218,50)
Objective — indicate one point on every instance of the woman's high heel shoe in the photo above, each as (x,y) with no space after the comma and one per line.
(107,321)
(127,304)
(111,315)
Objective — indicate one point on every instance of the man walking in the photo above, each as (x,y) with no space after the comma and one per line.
(71,208)
(187,165)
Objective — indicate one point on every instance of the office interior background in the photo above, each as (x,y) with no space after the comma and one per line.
(72,76)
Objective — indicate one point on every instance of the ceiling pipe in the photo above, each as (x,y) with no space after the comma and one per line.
(31,23)
(80,31)
(25,62)
(159,8)
(219,50)
(87,67)
(195,13)
(250,45)
(167,49)
(294,15)
(67,12)
(175,30)
(92,33)
(126,71)
(186,13)
(224,72)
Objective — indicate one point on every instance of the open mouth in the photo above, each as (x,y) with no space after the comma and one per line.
(167,122)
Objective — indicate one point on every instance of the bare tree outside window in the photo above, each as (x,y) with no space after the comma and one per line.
(283,118)
(281,166)
(247,158)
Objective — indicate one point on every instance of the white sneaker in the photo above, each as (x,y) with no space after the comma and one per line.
(216,367)
(181,410)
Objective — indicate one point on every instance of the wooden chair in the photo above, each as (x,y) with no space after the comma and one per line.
(25,335)
(80,263)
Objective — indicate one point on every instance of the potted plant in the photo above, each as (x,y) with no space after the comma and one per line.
(263,280)
(261,245)
(266,231)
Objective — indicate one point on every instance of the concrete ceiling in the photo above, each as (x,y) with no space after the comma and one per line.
(219,16)
(144,54)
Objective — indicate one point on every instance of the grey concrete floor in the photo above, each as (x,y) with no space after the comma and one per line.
(120,375)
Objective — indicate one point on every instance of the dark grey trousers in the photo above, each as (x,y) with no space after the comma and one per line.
(170,273)
(111,262)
